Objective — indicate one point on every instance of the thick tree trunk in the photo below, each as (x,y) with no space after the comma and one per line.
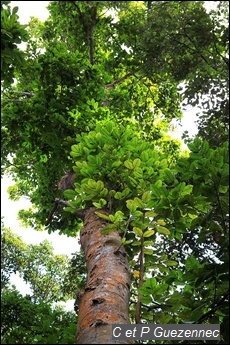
(105,299)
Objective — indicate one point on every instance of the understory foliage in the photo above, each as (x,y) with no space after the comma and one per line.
(95,91)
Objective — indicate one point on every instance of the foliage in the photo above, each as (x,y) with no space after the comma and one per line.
(46,274)
(11,260)
(182,201)
(102,82)
(25,322)
(214,124)
(68,95)
(12,34)
(43,271)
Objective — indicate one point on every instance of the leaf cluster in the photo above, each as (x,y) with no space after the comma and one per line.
(43,271)
(43,326)
(12,34)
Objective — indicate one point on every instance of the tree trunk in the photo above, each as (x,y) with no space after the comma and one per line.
(105,299)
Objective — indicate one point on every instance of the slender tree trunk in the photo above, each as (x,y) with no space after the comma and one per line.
(105,299)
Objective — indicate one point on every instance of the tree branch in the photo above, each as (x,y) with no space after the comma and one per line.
(88,30)
(79,213)
(55,206)
(118,81)
(199,51)
(90,34)
(214,309)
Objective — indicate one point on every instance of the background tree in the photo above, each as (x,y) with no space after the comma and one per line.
(44,273)
(105,80)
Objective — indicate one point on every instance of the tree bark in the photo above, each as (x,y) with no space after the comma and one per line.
(105,299)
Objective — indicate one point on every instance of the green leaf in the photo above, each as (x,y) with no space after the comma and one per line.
(128,164)
(136,163)
(176,214)
(69,194)
(146,299)
(126,192)
(137,231)
(143,291)
(133,181)
(160,222)
(70,209)
(223,189)
(111,218)
(192,263)
(149,233)
(116,164)
(144,156)
(43,158)
(139,203)
(104,192)
(171,263)
(109,126)
(118,216)
(146,197)
(160,288)
(148,243)
(102,215)
(100,204)
(76,150)
(98,161)
(131,205)
(151,214)
(150,283)
(15,10)
(162,230)
(137,213)
(148,251)
(99,186)
(136,243)
(108,229)
(195,315)
(118,196)
(169,176)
